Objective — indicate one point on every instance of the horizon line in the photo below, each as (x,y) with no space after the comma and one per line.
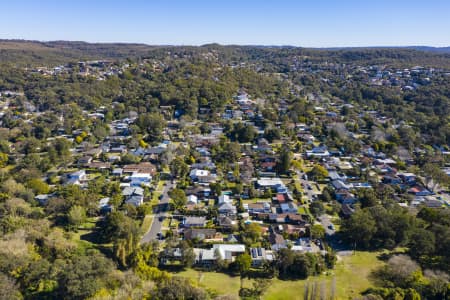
(219,44)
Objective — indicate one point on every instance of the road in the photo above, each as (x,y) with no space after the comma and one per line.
(161,211)
(305,184)
(326,222)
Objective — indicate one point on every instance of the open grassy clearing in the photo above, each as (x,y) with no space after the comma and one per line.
(348,280)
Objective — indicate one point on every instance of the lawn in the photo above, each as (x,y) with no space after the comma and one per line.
(146,223)
(221,283)
(351,278)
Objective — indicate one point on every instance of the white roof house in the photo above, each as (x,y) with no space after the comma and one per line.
(192,199)
(138,179)
(228,251)
(198,173)
(269,182)
(225,199)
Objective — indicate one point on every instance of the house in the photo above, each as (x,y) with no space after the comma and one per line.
(140,179)
(387,179)
(272,183)
(305,245)
(260,207)
(408,178)
(228,252)
(135,200)
(199,233)
(419,191)
(84,160)
(260,255)
(276,240)
(104,206)
(226,222)
(194,221)
(292,229)
(195,174)
(117,172)
(289,207)
(192,199)
(224,199)
(320,151)
(202,192)
(121,149)
(131,191)
(98,165)
(433,203)
(340,185)
(77,177)
(143,167)
(202,176)
(43,198)
(204,257)
(333,175)
(227,209)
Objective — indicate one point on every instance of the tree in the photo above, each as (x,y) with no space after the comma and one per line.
(3,159)
(179,198)
(359,228)
(9,289)
(243,263)
(178,168)
(76,215)
(367,198)
(318,172)
(421,242)
(38,186)
(83,276)
(251,233)
(175,288)
(317,231)
(152,124)
(285,160)
(317,208)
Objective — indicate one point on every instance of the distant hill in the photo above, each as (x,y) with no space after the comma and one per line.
(431,49)
(35,52)
(32,53)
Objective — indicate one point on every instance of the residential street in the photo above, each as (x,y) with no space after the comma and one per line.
(326,223)
(161,211)
(305,184)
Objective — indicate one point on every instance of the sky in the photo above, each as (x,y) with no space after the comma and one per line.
(313,23)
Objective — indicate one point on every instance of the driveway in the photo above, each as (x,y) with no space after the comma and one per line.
(161,211)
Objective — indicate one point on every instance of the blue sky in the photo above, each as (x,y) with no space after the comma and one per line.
(314,23)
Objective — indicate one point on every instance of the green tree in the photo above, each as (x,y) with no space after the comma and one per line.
(359,228)
(285,160)
(243,263)
(38,186)
(178,168)
(179,198)
(4,158)
(318,172)
(317,231)
(76,215)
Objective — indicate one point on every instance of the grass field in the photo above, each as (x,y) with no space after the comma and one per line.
(349,278)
